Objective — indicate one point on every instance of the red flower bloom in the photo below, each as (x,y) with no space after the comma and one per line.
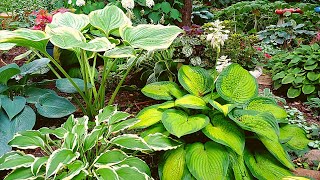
(267,55)
(258,48)
(42,19)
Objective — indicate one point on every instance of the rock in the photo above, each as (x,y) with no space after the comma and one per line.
(311,156)
(307,173)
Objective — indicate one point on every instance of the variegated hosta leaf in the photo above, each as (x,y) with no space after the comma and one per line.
(108,19)
(6,46)
(16,161)
(129,173)
(235,84)
(68,125)
(222,130)
(76,21)
(264,166)
(295,138)
(28,140)
(110,158)
(159,142)
(132,161)
(195,80)
(191,101)
(25,37)
(118,116)
(120,126)
(120,52)
(106,173)
(92,138)
(70,141)
(73,170)
(157,128)
(294,178)
(263,104)
(130,141)
(151,115)
(225,109)
(178,122)
(23,174)
(97,45)
(58,159)
(105,114)
(81,126)
(164,90)
(37,164)
(57,132)
(150,37)
(207,161)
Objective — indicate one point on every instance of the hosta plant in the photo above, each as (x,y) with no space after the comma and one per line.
(228,130)
(81,149)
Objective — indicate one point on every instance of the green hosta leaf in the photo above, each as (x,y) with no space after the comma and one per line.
(293,92)
(207,161)
(14,106)
(157,128)
(105,114)
(225,109)
(195,80)
(34,67)
(313,76)
(97,45)
(239,168)
(308,88)
(136,163)
(64,85)
(108,19)
(59,158)
(21,174)
(53,106)
(70,141)
(311,67)
(124,125)
(76,21)
(288,79)
(16,161)
(118,116)
(164,90)
(179,123)
(150,37)
(294,136)
(28,140)
(58,132)
(159,142)
(236,84)
(6,46)
(110,158)
(222,130)
(264,166)
(37,164)
(33,94)
(92,138)
(120,52)
(73,170)
(106,173)
(191,101)
(129,173)
(7,72)
(279,75)
(130,141)
(263,104)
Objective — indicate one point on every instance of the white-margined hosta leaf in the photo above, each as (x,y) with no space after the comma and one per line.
(76,21)
(92,138)
(235,84)
(207,161)
(164,90)
(120,52)
(37,164)
(110,158)
(68,125)
(294,137)
(195,80)
(28,140)
(73,170)
(129,173)
(161,142)
(97,45)
(6,46)
(106,173)
(150,37)
(191,101)
(179,123)
(58,159)
(135,162)
(120,126)
(108,19)
(57,132)
(157,128)
(105,114)
(118,117)
(70,141)
(81,127)
(23,173)
(130,141)
(16,161)
(222,130)
(225,109)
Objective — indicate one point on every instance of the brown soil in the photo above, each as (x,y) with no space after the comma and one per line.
(7,57)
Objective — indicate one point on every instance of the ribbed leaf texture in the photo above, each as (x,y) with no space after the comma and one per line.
(164,90)
(295,138)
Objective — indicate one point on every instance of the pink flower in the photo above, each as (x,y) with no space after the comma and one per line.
(267,55)
(258,48)
(61,10)
(36,27)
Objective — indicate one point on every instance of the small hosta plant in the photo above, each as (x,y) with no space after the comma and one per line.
(228,130)
(81,149)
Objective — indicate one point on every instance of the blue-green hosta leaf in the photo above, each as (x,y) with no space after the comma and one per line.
(73,170)
(16,161)
(151,115)
(53,106)
(236,84)
(92,138)
(191,101)
(33,94)
(161,142)
(295,138)
(14,106)
(225,109)
(120,126)
(23,174)
(76,21)
(195,80)
(108,19)
(222,130)
(132,161)
(120,52)
(264,166)
(7,72)
(6,46)
(28,140)
(164,90)
(64,85)
(130,141)
(150,37)
(129,173)
(263,104)
(34,67)
(37,164)
(58,159)
(106,173)
(207,161)
(110,158)
(178,122)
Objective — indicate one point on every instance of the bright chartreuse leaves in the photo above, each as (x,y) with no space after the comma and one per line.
(13,106)
(222,130)
(179,123)
(150,37)
(108,19)
(235,84)
(64,85)
(240,171)
(264,166)
(263,104)
(164,90)
(7,72)
(224,109)
(294,137)
(191,101)
(131,141)
(195,80)
(76,21)
(159,141)
(208,160)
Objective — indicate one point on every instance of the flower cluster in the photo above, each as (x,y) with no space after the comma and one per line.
(222,63)
(149,3)
(79,3)
(127,4)
(266,55)
(42,19)
(218,35)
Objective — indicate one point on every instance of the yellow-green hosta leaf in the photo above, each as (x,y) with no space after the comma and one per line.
(263,104)
(264,166)
(108,19)
(76,21)
(222,130)
(195,80)
(16,161)
(178,122)
(191,101)
(110,158)
(120,52)
(225,109)
(161,142)
(235,84)
(208,161)
(106,173)
(294,137)
(164,90)
(150,37)
(294,178)
(130,141)
(240,171)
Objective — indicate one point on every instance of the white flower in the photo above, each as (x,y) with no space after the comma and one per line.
(149,3)
(218,36)
(222,63)
(127,4)
(80,3)
(69,1)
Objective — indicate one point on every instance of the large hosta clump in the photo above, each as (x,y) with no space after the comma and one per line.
(244,134)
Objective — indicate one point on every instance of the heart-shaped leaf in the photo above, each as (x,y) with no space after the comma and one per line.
(14,106)
(313,76)
(294,136)
(191,101)
(164,90)
(76,21)
(7,72)
(293,92)
(308,88)
(33,94)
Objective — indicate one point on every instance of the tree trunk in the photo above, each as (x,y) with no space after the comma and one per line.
(186,13)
